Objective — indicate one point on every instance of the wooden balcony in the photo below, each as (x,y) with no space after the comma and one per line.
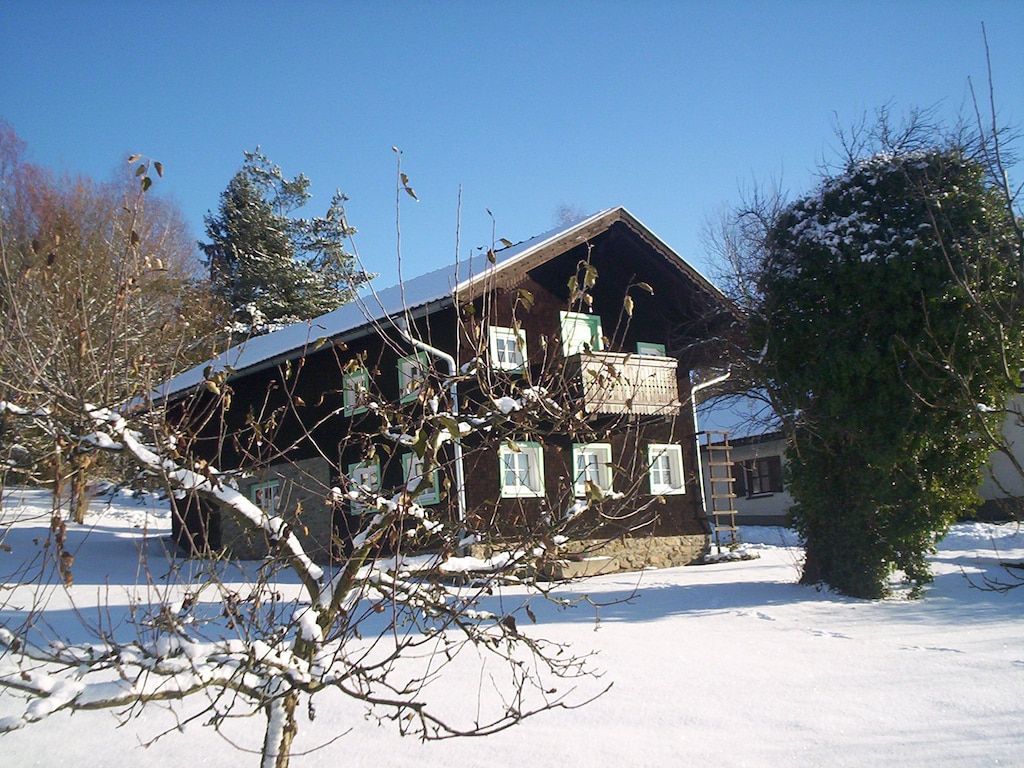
(616,383)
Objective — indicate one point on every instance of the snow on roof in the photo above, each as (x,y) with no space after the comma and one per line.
(369,307)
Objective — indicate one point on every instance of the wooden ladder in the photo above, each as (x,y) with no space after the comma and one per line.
(720,485)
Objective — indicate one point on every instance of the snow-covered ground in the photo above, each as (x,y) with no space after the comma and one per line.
(731,664)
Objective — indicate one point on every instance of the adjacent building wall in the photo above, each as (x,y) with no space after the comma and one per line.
(762,508)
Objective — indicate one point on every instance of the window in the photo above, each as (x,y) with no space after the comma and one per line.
(591,462)
(580,333)
(665,462)
(758,477)
(650,348)
(355,386)
(365,475)
(266,496)
(412,375)
(429,492)
(507,348)
(522,470)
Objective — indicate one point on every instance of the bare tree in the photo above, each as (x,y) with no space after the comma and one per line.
(97,296)
(398,599)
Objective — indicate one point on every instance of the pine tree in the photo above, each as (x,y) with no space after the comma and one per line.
(271,267)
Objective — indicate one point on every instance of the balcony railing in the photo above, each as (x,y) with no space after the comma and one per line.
(614,383)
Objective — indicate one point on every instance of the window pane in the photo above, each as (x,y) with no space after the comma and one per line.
(517,470)
(661,471)
(354,386)
(507,348)
(666,469)
(412,375)
(521,471)
(590,466)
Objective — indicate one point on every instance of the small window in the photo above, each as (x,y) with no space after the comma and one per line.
(665,462)
(365,475)
(591,462)
(355,387)
(266,496)
(758,477)
(580,333)
(427,487)
(412,375)
(650,348)
(522,470)
(507,348)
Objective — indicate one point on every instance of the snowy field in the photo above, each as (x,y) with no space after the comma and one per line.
(730,664)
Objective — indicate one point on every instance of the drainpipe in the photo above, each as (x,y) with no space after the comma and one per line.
(696,434)
(402,324)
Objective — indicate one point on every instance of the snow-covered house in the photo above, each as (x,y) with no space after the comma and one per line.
(626,356)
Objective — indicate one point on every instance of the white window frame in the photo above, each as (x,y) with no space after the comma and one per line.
(412,375)
(650,348)
(502,340)
(412,468)
(579,332)
(593,462)
(354,387)
(665,469)
(521,470)
(266,496)
(365,474)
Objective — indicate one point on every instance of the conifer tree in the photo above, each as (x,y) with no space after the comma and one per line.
(270,266)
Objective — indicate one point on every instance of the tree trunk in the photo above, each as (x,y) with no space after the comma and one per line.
(78,502)
(281,730)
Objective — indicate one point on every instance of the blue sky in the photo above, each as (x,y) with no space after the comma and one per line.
(667,108)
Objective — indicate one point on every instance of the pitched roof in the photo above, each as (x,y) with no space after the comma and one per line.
(418,295)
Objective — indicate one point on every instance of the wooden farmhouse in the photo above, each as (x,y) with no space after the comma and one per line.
(600,318)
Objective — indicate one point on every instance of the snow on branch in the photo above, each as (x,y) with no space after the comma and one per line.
(187,480)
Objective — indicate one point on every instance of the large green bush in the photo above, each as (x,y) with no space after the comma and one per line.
(892,335)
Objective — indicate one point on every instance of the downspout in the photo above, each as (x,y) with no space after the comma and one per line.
(402,324)
(696,435)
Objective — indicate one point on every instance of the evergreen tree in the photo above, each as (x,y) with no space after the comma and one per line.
(892,333)
(271,267)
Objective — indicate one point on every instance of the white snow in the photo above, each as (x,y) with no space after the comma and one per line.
(731,664)
(507,404)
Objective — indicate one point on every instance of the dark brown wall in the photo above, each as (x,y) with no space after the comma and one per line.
(307,394)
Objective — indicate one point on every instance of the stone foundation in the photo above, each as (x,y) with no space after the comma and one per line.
(633,554)
(586,558)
